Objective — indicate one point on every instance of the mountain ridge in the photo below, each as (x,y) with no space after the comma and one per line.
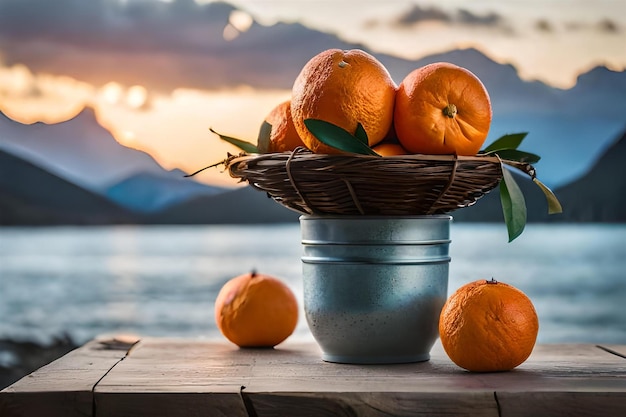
(568,128)
(42,198)
(30,195)
(33,196)
(599,195)
(85,153)
(601,192)
(146,192)
(101,159)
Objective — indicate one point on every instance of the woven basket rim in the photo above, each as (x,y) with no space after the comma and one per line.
(344,184)
(303,153)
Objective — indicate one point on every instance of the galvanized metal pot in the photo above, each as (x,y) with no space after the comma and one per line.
(374,286)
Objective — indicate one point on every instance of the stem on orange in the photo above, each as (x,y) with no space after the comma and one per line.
(450,110)
(492,281)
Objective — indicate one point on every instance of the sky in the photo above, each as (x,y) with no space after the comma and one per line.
(549,40)
(150,70)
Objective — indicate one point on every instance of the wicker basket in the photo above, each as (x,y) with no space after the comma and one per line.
(369,185)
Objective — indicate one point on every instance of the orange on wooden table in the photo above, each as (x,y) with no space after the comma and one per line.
(442,108)
(344,88)
(283,136)
(256,310)
(488,326)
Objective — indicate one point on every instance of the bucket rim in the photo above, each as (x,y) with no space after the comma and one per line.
(374,217)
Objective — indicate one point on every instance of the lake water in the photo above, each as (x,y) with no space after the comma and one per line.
(162,281)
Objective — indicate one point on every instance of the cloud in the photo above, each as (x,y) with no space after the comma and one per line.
(47,98)
(416,15)
(605,26)
(463,17)
(145,42)
(113,24)
(159,45)
(544,25)
(469,18)
(608,26)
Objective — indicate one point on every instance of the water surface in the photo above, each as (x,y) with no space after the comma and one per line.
(162,280)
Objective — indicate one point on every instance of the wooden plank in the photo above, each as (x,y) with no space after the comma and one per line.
(293,380)
(174,377)
(170,404)
(619,350)
(373,405)
(377,404)
(574,373)
(63,387)
(197,377)
(562,404)
(329,389)
(568,380)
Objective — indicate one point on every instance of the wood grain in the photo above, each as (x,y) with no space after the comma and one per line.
(619,350)
(190,377)
(64,387)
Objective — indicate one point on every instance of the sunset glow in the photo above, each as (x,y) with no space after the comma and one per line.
(30,98)
(112,93)
(175,128)
(136,96)
(169,117)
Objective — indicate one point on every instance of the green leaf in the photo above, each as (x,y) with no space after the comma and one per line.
(337,137)
(361,134)
(554,206)
(263,141)
(243,145)
(513,205)
(510,141)
(516,155)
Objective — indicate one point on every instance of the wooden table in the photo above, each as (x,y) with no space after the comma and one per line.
(189,377)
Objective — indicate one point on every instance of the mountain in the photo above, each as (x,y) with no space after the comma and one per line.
(85,153)
(597,196)
(600,195)
(489,209)
(30,195)
(594,85)
(244,205)
(79,150)
(147,192)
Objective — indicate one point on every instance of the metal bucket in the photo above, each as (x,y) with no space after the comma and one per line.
(374,286)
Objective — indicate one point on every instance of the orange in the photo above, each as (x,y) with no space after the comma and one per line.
(488,326)
(344,88)
(389,149)
(283,136)
(443,109)
(256,310)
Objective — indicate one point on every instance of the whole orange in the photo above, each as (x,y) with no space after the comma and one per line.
(283,136)
(256,310)
(344,88)
(488,326)
(442,108)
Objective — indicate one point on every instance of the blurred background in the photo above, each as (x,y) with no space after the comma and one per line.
(106,104)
